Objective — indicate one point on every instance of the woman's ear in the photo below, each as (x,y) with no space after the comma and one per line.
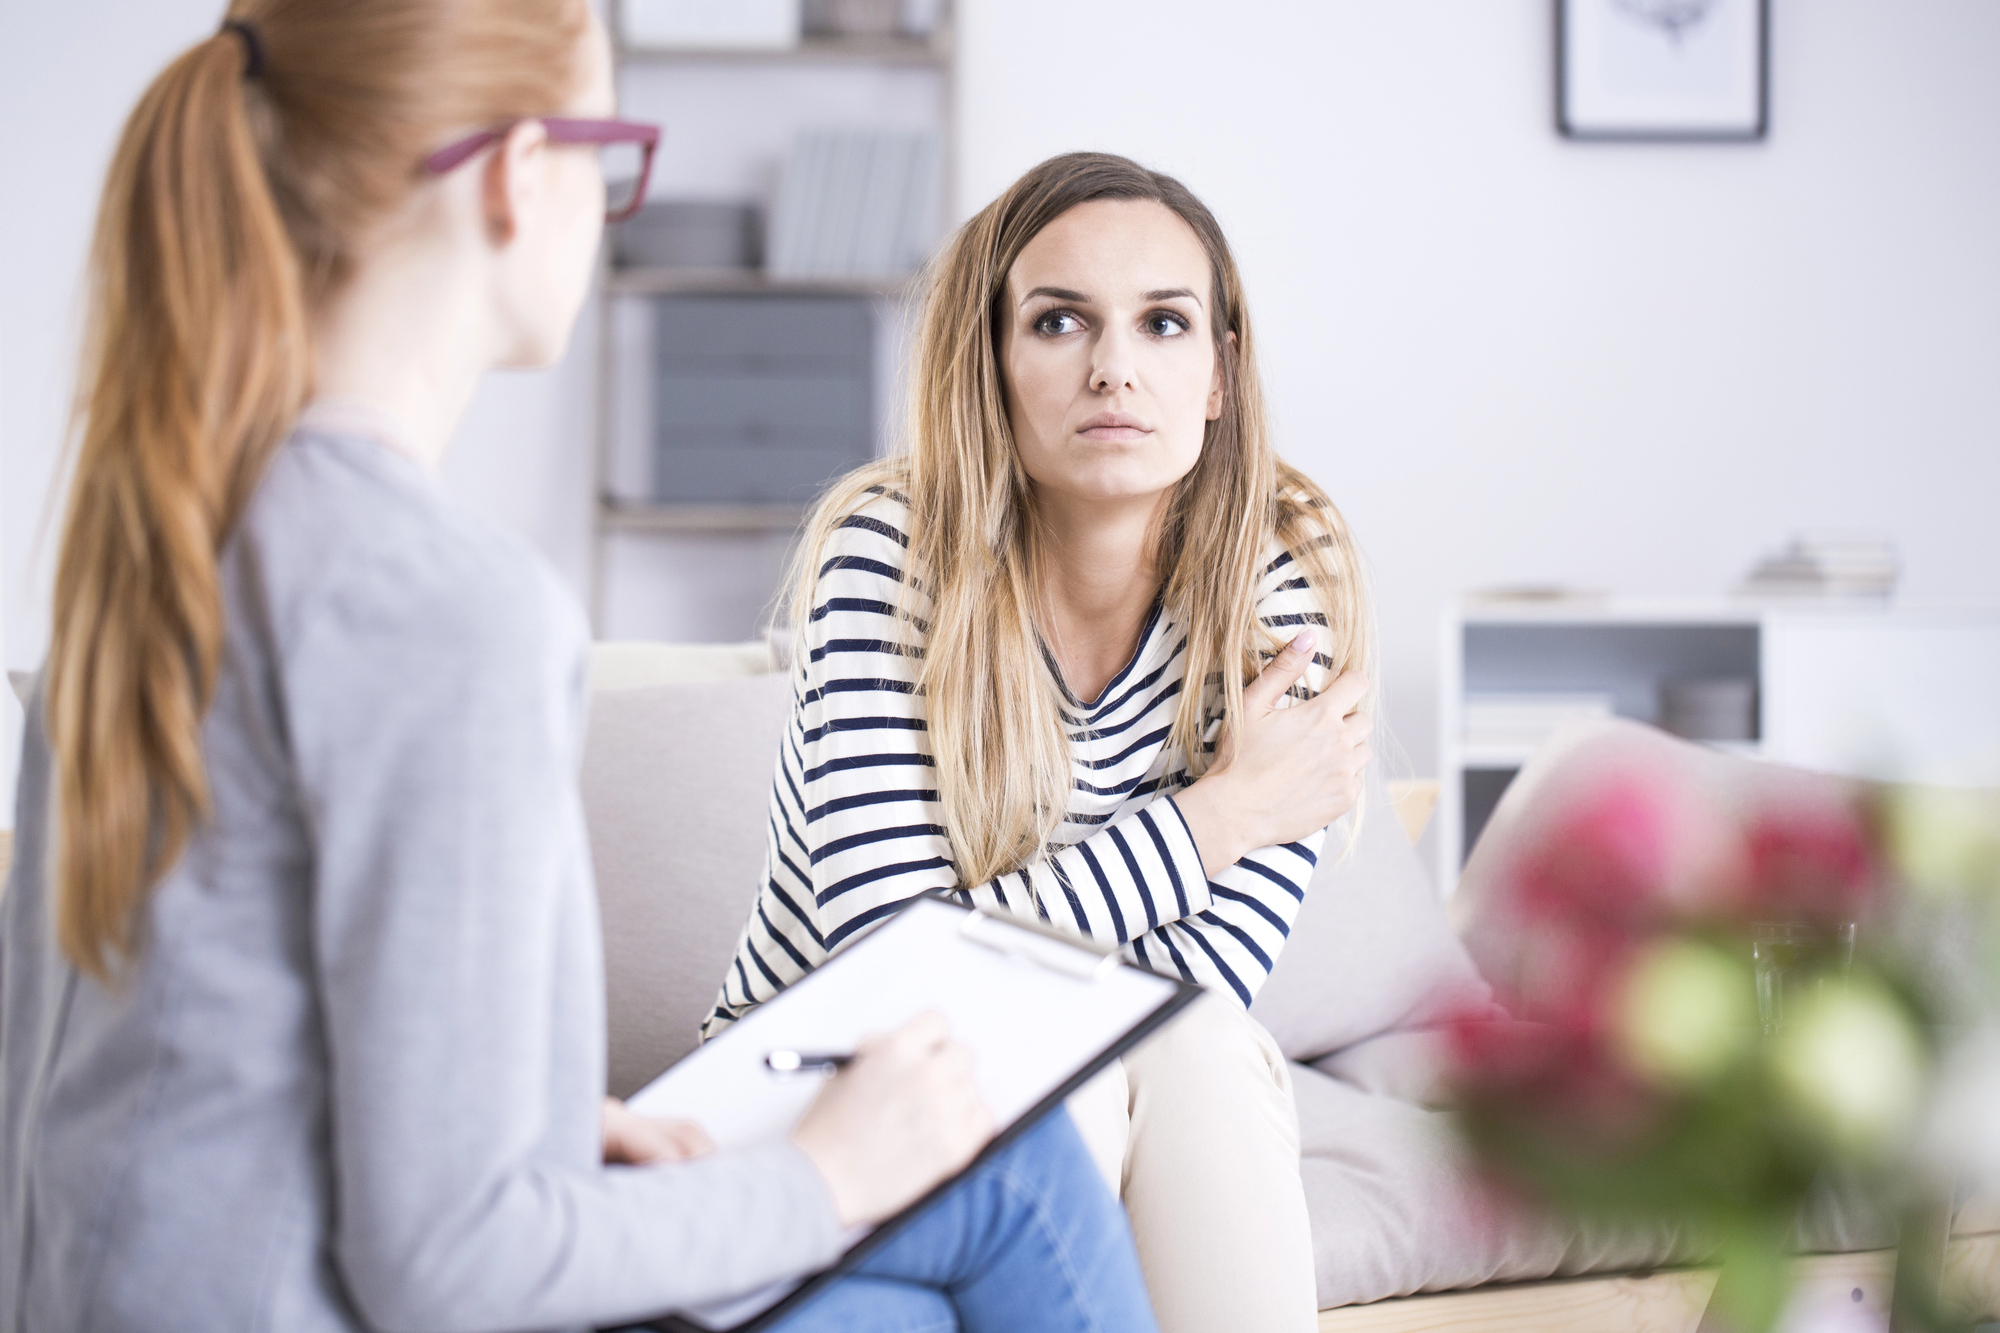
(1219,383)
(510,183)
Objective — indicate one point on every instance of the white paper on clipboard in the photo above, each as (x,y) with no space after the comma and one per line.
(1032,1007)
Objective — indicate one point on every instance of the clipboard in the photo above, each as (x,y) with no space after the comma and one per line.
(1044,1012)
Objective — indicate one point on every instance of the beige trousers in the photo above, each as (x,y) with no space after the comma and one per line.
(1197,1132)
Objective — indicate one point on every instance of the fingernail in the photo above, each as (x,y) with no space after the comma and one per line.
(1303,642)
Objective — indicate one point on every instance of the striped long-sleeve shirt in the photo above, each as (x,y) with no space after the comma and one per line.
(856,828)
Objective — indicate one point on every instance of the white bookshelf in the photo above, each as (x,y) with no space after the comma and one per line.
(730,117)
(1865,690)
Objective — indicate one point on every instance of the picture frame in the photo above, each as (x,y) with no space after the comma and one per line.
(1686,71)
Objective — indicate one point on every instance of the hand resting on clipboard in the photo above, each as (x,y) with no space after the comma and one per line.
(1040,1013)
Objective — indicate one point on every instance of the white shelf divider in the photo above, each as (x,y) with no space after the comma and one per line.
(1856,688)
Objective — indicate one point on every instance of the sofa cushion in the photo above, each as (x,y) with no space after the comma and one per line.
(637,664)
(1396,1208)
(676,787)
(1705,793)
(1372,950)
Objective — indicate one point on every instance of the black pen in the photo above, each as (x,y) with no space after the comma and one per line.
(797,1062)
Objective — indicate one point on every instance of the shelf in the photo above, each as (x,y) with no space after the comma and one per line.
(764,98)
(643,516)
(1735,609)
(933,51)
(1590,610)
(642,281)
(1501,758)
(1494,756)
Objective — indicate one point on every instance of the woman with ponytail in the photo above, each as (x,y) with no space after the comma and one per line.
(301,997)
(1045,660)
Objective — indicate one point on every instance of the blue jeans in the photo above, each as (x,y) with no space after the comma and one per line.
(1031,1242)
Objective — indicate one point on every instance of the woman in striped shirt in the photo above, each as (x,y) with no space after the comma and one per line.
(997,631)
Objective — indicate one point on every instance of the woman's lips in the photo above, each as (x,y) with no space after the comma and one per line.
(1114,427)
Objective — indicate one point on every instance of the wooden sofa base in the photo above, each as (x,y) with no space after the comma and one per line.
(1668,1301)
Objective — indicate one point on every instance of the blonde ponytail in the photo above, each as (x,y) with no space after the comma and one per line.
(240,189)
(197,363)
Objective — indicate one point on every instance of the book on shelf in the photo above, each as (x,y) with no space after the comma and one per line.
(798,184)
(838,216)
(1826,565)
(855,204)
(1525,720)
(878,228)
(712,25)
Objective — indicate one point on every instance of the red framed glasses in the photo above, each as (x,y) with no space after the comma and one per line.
(624,149)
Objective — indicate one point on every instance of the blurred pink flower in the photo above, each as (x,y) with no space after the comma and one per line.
(1606,860)
(1809,863)
(1562,1075)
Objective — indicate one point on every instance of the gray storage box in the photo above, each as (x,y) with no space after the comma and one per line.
(760,399)
(690,233)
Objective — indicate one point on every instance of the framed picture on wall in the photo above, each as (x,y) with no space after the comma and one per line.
(1684,70)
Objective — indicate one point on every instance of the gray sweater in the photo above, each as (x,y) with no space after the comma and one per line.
(352,1078)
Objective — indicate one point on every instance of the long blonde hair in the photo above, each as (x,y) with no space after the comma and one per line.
(992,709)
(243,183)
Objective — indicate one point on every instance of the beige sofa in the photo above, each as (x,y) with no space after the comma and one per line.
(681,748)
(675,781)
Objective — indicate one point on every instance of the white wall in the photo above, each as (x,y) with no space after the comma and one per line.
(1509,357)
(1514,358)
(10,745)
(69,75)
(67,79)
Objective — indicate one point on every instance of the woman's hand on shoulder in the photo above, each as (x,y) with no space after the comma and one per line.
(631,1139)
(1281,774)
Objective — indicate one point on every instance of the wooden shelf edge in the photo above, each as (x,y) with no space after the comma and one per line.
(1414,800)
(933,51)
(1494,758)
(1669,1301)
(650,281)
(630,516)
(1663,1301)
(1472,609)
(1501,757)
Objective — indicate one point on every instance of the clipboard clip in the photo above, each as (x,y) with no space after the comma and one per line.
(1035,943)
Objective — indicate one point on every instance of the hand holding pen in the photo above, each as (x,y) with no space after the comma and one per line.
(902,1115)
(805,1062)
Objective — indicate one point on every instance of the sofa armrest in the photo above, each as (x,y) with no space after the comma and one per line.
(1414,800)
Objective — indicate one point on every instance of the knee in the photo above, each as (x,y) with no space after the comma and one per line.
(1044,1174)
(1212,1039)
(1051,1161)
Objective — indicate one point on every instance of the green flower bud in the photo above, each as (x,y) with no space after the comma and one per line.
(1944,840)
(1688,1011)
(1852,1065)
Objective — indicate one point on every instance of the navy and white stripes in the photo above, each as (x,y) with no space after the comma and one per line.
(856,829)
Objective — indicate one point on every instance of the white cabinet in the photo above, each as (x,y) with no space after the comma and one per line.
(1868,691)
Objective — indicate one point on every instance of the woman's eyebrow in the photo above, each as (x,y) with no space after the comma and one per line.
(1065,294)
